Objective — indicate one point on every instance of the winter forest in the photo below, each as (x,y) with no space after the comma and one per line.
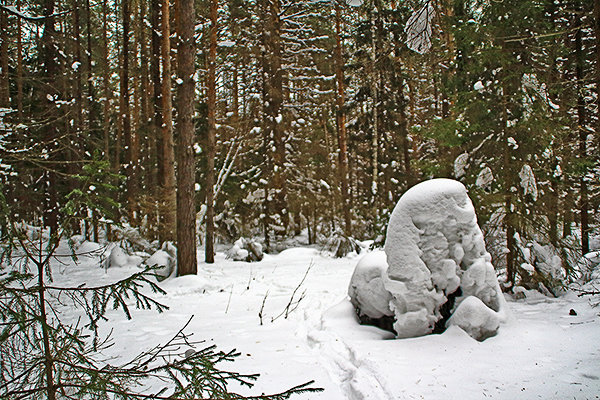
(235,158)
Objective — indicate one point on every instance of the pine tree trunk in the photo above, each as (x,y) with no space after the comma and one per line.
(274,134)
(49,57)
(211,139)
(341,122)
(19,65)
(4,82)
(128,133)
(90,86)
(581,121)
(155,130)
(186,166)
(169,201)
(375,100)
(105,82)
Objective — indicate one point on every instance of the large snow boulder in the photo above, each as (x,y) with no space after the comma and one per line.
(367,294)
(436,258)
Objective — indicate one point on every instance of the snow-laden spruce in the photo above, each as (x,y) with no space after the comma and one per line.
(436,258)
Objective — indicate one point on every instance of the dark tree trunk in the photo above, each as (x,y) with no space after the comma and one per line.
(4,83)
(186,166)
(125,114)
(276,215)
(49,57)
(211,151)
(19,65)
(105,82)
(581,121)
(155,130)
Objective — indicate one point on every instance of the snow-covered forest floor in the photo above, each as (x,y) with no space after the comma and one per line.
(542,352)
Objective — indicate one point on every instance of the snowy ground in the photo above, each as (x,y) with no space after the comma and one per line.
(542,353)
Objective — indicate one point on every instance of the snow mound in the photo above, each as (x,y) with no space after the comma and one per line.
(367,294)
(245,250)
(436,258)
(475,318)
(164,263)
(119,258)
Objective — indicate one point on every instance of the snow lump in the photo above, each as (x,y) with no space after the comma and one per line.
(437,266)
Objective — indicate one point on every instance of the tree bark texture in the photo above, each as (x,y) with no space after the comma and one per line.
(211,132)
(581,121)
(186,166)
(168,206)
(276,207)
(341,122)
(4,82)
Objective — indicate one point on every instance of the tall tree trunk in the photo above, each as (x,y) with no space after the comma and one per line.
(131,169)
(19,65)
(581,121)
(105,82)
(274,135)
(375,99)
(90,86)
(4,82)
(341,121)
(155,129)
(49,57)
(186,166)
(168,206)
(209,253)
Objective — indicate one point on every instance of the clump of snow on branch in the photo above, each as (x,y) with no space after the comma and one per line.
(485,178)
(528,182)
(418,29)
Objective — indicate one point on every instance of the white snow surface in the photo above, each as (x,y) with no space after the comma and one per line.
(544,353)
(434,246)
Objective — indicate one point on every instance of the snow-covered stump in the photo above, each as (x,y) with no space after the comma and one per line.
(436,258)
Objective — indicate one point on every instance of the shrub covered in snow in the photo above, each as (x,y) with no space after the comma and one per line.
(436,260)
(340,245)
(245,250)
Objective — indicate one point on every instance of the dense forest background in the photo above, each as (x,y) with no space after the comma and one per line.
(217,119)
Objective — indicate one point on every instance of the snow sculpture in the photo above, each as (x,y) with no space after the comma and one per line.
(437,258)
(436,272)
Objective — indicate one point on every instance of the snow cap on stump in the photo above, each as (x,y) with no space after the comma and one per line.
(436,257)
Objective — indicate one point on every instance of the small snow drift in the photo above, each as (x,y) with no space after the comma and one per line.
(245,250)
(165,261)
(436,256)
